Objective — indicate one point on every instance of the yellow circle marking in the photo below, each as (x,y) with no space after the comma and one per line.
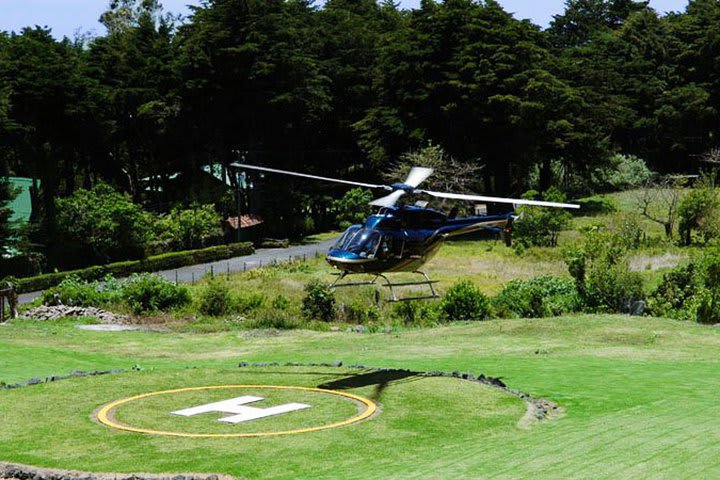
(103,415)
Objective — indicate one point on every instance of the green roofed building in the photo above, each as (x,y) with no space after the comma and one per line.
(22,205)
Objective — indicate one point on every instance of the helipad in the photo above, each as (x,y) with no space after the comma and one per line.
(107,413)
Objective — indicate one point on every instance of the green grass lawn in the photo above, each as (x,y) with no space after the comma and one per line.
(639,394)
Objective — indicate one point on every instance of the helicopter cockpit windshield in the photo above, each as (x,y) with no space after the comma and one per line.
(360,241)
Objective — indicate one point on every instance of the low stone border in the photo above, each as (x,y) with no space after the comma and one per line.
(26,472)
(539,409)
(56,312)
(55,378)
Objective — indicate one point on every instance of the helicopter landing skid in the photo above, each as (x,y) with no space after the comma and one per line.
(389,285)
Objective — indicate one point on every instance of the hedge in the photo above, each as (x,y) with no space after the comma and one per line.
(274,243)
(166,261)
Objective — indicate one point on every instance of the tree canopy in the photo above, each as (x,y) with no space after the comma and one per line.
(345,89)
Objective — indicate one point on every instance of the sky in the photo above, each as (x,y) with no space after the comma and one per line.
(66,17)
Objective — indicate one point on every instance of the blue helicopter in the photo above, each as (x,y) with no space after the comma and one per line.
(403,238)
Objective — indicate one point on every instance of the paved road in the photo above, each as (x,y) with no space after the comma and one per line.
(263,256)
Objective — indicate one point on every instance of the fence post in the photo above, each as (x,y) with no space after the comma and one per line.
(212,271)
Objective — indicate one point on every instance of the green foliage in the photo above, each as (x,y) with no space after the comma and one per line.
(274,243)
(596,205)
(541,226)
(146,293)
(360,312)
(673,298)
(354,207)
(622,172)
(543,296)
(602,274)
(184,229)
(101,225)
(691,291)
(215,298)
(249,301)
(278,319)
(166,261)
(699,211)
(281,302)
(417,313)
(140,106)
(73,291)
(465,301)
(7,194)
(319,302)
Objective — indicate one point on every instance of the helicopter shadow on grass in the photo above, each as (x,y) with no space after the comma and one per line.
(380,379)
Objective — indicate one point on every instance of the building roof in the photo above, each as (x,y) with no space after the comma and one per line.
(21,206)
(246,221)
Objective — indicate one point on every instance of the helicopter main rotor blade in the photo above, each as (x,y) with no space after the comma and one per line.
(305,175)
(418,175)
(388,200)
(513,201)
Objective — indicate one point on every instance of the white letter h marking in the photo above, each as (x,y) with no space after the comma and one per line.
(240,412)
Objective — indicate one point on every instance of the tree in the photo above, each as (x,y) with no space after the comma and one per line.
(699,210)
(583,19)
(659,201)
(540,226)
(354,207)
(194,227)
(101,225)
(449,174)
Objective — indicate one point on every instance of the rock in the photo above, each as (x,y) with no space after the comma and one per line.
(56,312)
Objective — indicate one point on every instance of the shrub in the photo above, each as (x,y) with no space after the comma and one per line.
(353,207)
(215,298)
(595,205)
(541,226)
(149,293)
(465,301)
(622,172)
(699,211)
(281,302)
(273,318)
(274,243)
(417,313)
(73,291)
(544,296)
(159,262)
(601,272)
(360,313)
(194,227)
(100,225)
(673,297)
(319,302)
(247,302)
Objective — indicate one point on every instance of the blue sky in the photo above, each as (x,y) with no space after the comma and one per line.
(65,17)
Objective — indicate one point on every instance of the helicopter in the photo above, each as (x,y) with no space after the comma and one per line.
(402,238)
